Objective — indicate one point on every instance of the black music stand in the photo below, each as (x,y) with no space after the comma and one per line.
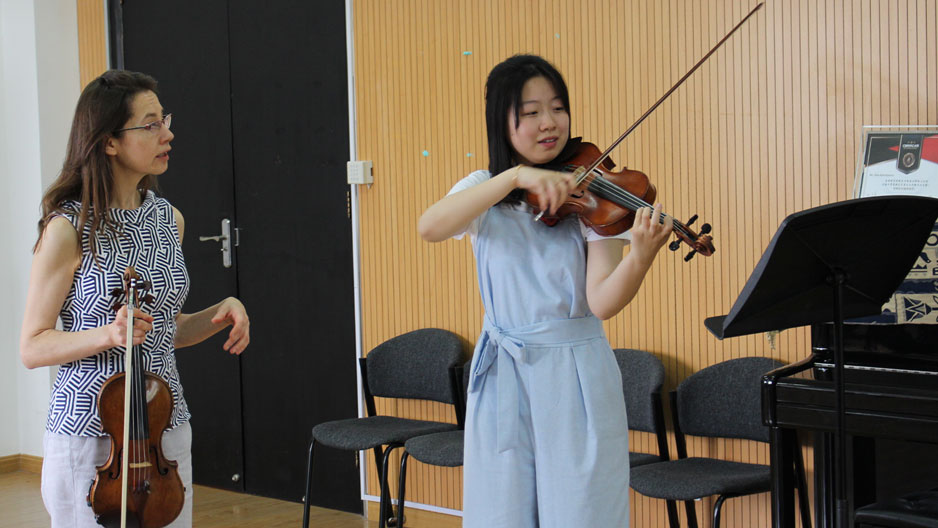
(830,263)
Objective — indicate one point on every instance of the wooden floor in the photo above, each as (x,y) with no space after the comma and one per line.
(21,507)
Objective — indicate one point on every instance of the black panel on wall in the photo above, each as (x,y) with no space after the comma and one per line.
(290,116)
(259,96)
(189,58)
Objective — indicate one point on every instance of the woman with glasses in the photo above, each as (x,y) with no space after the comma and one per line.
(100,216)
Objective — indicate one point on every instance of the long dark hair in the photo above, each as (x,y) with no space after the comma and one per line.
(503,94)
(102,109)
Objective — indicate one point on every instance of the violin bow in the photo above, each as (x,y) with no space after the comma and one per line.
(130,285)
(615,143)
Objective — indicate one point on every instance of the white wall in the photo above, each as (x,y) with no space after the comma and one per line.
(39,85)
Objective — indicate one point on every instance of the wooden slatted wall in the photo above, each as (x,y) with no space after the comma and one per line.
(92,40)
(769,126)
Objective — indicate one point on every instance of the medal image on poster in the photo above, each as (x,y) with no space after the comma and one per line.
(899,163)
(910,153)
(904,161)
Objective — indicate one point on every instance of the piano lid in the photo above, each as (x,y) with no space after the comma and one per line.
(910,347)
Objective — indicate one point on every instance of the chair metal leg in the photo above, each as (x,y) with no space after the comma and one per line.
(309,484)
(379,456)
(716,511)
(384,506)
(691,514)
(673,520)
(400,489)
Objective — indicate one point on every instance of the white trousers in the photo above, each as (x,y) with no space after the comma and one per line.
(69,466)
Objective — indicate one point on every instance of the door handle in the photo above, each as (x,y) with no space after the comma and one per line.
(225,239)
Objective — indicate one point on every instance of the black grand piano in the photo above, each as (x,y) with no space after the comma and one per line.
(891,405)
(860,394)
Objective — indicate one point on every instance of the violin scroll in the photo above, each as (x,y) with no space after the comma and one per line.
(135,283)
(700,242)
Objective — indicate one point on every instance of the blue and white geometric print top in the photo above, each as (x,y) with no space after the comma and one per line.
(148,241)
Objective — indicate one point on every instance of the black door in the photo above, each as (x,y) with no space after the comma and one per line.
(199,183)
(290,116)
(259,98)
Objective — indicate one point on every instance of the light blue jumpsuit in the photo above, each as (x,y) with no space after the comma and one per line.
(546,431)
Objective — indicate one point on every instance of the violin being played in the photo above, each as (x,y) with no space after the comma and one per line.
(606,200)
(137,486)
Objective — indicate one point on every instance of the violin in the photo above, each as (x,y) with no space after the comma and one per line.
(137,486)
(605,200)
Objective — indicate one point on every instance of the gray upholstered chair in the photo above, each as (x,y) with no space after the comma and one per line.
(438,449)
(721,401)
(642,379)
(415,365)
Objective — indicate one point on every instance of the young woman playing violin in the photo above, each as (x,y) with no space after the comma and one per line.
(99,217)
(546,428)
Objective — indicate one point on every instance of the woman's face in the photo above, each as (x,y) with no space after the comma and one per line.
(142,151)
(543,123)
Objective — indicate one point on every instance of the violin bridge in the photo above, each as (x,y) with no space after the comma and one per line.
(138,465)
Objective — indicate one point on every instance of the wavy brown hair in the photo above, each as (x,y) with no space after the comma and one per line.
(103,108)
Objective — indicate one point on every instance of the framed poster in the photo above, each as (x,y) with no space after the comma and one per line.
(904,161)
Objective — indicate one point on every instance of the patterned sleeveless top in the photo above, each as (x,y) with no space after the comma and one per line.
(148,241)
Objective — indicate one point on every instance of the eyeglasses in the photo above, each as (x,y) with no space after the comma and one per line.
(154,127)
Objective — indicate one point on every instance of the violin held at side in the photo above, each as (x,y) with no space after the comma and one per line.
(137,486)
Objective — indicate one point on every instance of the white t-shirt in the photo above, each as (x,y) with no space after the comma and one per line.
(480,176)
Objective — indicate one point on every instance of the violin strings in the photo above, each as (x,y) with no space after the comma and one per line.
(140,402)
(142,417)
(138,448)
(629,200)
(129,377)
(137,416)
(632,202)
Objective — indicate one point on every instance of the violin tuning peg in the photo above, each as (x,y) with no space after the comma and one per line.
(690,255)
(704,229)
(116,306)
(674,246)
(116,292)
(692,220)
